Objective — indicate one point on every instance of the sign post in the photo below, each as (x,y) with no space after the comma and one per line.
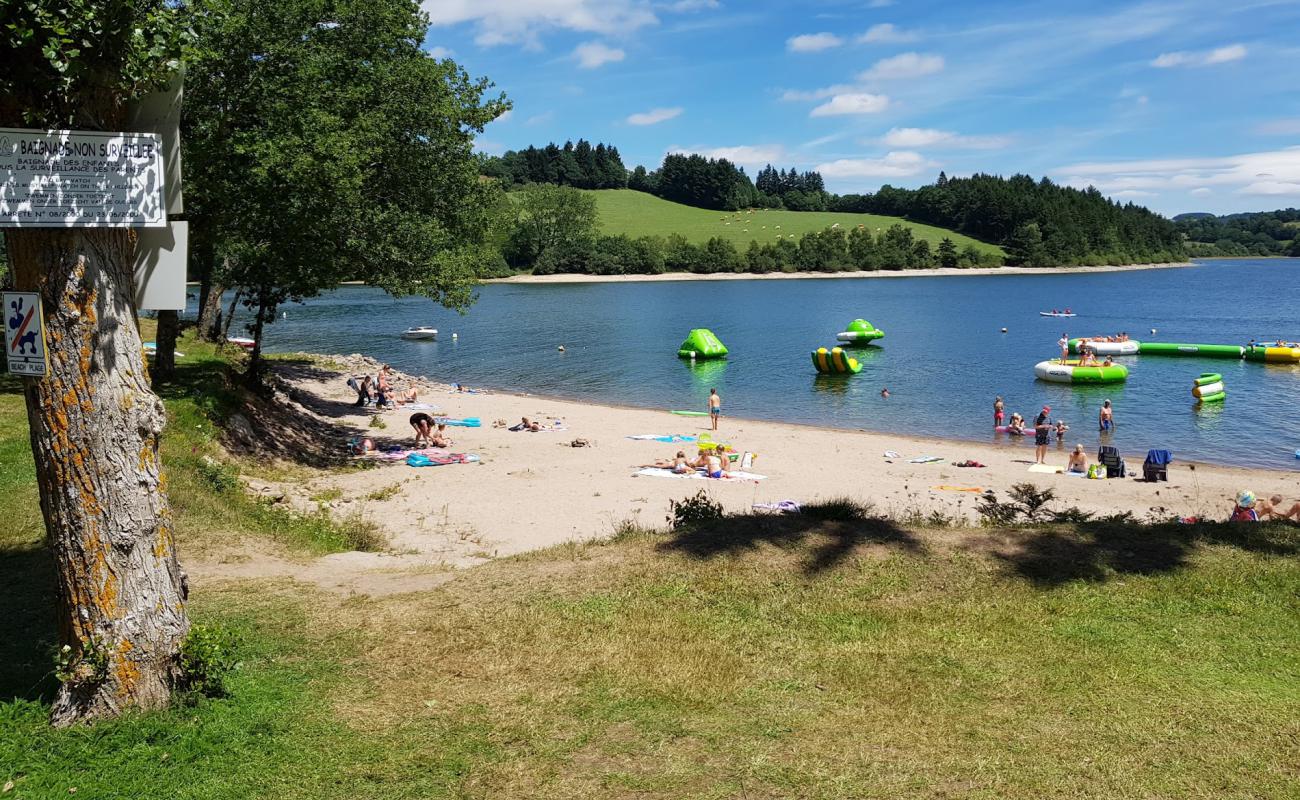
(24,334)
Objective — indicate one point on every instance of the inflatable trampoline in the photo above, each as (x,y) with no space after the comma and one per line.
(1070,372)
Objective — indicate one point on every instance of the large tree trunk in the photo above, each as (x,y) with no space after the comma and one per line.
(210,311)
(164,360)
(95,426)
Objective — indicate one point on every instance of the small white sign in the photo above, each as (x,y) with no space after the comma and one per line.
(24,334)
(67,179)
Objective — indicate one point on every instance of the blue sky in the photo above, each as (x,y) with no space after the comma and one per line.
(1187,105)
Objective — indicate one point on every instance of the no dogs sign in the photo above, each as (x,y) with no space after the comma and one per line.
(24,334)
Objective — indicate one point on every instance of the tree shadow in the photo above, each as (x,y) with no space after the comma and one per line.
(28,630)
(828,542)
(1100,551)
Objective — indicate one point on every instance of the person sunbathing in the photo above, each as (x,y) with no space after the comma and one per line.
(522,425)
(1272,509)
(440,437)
(1078,461)
(680,465)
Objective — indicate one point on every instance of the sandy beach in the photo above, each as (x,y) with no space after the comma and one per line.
(534,490)
(906,273)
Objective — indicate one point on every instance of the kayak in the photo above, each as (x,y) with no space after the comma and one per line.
(1056,314)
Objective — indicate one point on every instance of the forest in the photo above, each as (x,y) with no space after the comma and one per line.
(1263,233)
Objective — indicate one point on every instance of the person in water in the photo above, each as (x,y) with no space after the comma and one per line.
(1042,431)
(998,408)
(884,393)
(1106,417)
(1078,461)
(715,407)
(423,425)
(1061,428)
(1017,424)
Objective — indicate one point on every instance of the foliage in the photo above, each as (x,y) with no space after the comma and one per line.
(1266,233)
(548,216)
(1027,503)
(208,655)
(72,63)
(698,508)
(797,191)
(222,477)
(86,664)
(581,166)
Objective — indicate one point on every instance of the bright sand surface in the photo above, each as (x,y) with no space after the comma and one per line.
(533,490)
(904,273)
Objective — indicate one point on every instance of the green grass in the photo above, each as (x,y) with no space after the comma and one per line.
(640,214)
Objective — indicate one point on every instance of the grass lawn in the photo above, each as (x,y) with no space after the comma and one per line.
(755,657)
(640,214)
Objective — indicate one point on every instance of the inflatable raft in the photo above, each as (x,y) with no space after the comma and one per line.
(859,332)
(835,361)
(701,343)
(1070,372)
(1199,350)
(1208,388)
(1129,348)
(1275,354)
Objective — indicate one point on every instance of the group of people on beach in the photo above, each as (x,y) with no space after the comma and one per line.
(377,390)
(714,460)
(1043,429)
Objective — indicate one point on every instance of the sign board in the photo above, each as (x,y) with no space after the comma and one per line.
(160,113)
(24,334)
(160,256)
(67,179)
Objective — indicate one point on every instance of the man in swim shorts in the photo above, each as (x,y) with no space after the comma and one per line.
(1106,417)
(1042,432)
(715,407)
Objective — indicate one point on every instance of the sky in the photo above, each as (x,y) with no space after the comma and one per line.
(1185,105)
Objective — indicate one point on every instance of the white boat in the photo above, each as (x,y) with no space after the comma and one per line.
(242,341)
(1056,314)
(421,332)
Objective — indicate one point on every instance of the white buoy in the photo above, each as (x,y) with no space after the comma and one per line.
(455,336)
(1153,330)
(560,348)
(1004,330)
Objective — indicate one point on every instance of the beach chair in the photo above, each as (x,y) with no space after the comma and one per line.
(1110,458)
(1156,467)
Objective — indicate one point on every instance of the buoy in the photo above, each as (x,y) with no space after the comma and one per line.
(455,336)
(1153,330)
(560,348)
(1004,330)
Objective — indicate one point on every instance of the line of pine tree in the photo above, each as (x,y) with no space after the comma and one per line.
(579,165)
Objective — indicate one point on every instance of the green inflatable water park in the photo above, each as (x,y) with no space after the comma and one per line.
(860,332)
(1200,350)
(701,343)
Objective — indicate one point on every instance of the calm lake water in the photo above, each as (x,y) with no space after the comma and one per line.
(943,357)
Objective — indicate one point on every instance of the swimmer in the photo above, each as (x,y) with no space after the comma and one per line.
(884,393)
(1061,428)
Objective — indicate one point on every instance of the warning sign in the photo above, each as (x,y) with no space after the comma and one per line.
(24,334)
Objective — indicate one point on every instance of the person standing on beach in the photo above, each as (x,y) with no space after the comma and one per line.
(1064,342)
(715,407)
(1106,417)
(998,411)
(1042,432)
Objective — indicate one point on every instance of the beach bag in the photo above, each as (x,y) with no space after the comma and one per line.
(1097,471)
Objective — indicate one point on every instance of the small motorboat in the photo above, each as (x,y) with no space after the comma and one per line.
(1057,314)
(421,332)
(242,341)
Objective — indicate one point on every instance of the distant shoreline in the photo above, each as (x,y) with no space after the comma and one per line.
(907,273)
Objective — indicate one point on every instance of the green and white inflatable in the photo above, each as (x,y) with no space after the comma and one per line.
(701,343)
(860,332)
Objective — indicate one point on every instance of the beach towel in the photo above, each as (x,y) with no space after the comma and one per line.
(1047,468)
(783,506)
(924,460)
(892,454)
(468,422)
(958,489)
(439,459)
(656,472)
(421,407)
(657,437)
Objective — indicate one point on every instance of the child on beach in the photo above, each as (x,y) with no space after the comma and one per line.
(1244,509)
(998,407)
(715,407)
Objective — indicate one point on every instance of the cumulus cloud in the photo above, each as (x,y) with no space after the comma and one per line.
(851,103)
(593,54)
(1269,173)
(440,52)
(812,42)
(900,164)
(654,116)
(499,22)
(930,137)
(1187,58)
(886,33)
(903,66)
(1202,191)
(746,155)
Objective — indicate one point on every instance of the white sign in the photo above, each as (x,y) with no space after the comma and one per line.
(66,179)
(24,333)
(160,258)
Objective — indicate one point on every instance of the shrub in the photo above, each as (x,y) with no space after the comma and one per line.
(693,510)
(208,656)
(221,478)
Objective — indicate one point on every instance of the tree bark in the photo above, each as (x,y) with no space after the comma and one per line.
(164,360)
(95,427)
(210,311)
(230,316)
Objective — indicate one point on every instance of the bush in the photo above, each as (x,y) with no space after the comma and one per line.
(221,478)
(693,510)
(208,656)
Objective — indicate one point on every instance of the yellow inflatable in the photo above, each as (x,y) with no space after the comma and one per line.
(835,361)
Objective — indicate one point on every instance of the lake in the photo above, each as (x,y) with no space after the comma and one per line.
(943,358)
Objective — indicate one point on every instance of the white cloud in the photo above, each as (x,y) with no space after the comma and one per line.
(511,22)
(900,164)
(1202,191)
(852,103)
(505,115)
(886,33)
(817,94)
(686,6)
(903,65)
(929,137)
(593,54)
(812,42)
(441,52)
(1186,58)
(540,119)
(1132,193)
(1274,172)
(654,116)
(746,155)
(1279,127)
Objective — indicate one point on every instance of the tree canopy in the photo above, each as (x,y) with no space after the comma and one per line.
(1265,233)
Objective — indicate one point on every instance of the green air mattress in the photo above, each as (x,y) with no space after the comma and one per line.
(1195,350)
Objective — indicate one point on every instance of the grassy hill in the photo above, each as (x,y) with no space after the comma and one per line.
(640,214)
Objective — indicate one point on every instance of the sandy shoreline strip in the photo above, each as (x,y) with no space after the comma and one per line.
(942,272)
(534,490)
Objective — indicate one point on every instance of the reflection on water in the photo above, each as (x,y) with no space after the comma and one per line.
(706,373)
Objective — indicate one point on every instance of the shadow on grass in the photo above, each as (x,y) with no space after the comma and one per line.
(1099,551)
(27,624)
(831,532)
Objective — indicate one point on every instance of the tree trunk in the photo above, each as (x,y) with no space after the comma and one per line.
(210,311)
(164,360)
(95,426)
(265,308)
